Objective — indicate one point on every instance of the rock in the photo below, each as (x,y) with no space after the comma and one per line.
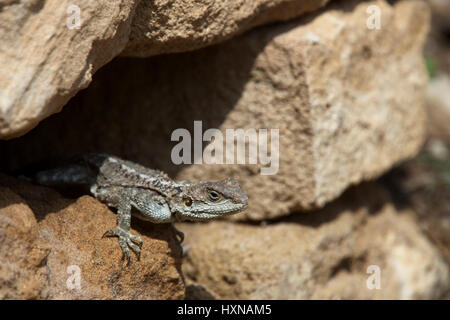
(22,254)
(47,59)
(44,62)
(331,254)
(348,103)
(438,106)
(441,13)
(423,184)
(437,49)
(47,239)
(175,26)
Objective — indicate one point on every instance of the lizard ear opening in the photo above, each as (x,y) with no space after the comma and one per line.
(187,202)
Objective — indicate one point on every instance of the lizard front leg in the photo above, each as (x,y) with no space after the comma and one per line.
(153,207)
(126,239)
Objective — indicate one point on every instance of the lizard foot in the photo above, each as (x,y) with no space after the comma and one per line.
(126,239)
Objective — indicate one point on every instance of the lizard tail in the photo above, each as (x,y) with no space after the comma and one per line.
(75,172)
(70,175)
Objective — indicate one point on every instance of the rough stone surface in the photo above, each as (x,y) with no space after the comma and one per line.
(162,26)
(441,12)
(43,234)
(324,255)
(438,106)
(423,183)
(348,103)
(44,63)
(22,254)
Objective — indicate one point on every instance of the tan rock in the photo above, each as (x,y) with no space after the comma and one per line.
(41,259)
(325,255)
(22,254)
(348,103)
(162,26)
(441,12)
(438,106)
(44,61)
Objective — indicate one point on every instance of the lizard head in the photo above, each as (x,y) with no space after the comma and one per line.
(207,200)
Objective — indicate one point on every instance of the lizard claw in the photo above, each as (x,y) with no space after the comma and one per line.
(109,233)
(126,241)
(179,236)
(126,255)
(136,240)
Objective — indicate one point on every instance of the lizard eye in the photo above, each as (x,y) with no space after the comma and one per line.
(187,201)
(213,195)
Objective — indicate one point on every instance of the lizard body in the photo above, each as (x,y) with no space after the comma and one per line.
(145,193)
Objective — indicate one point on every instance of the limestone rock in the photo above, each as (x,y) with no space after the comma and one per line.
(441,12)
(46,240)
(438,106)
(331,254)
(45,61)
(348,103)
(46,58)
(162,26)
(22,254)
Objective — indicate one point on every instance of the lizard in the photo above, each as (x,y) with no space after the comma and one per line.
(148,194)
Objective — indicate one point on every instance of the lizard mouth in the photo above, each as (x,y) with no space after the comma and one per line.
(228,211)
(204,214)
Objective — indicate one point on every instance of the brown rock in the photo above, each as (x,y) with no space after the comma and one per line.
(438,107)
(441,13)
(348,103)
(70,232)
(325,255)
(175,26)
(22,254)
(44,62)
(423,183)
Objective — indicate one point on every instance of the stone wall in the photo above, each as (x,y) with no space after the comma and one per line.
(347,101)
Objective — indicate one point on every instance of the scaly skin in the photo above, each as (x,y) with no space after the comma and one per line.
(145,193)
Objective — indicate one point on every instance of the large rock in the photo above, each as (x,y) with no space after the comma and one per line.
(44,61)
(331,254)
(441,13)
(438,106)
(161,26)
(45,240)
(348,103)
(22,254)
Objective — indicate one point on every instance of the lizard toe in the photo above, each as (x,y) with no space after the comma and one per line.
(136,239)
(134,247)
(125,252)
(127,257)
(126,241)
(110,233)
